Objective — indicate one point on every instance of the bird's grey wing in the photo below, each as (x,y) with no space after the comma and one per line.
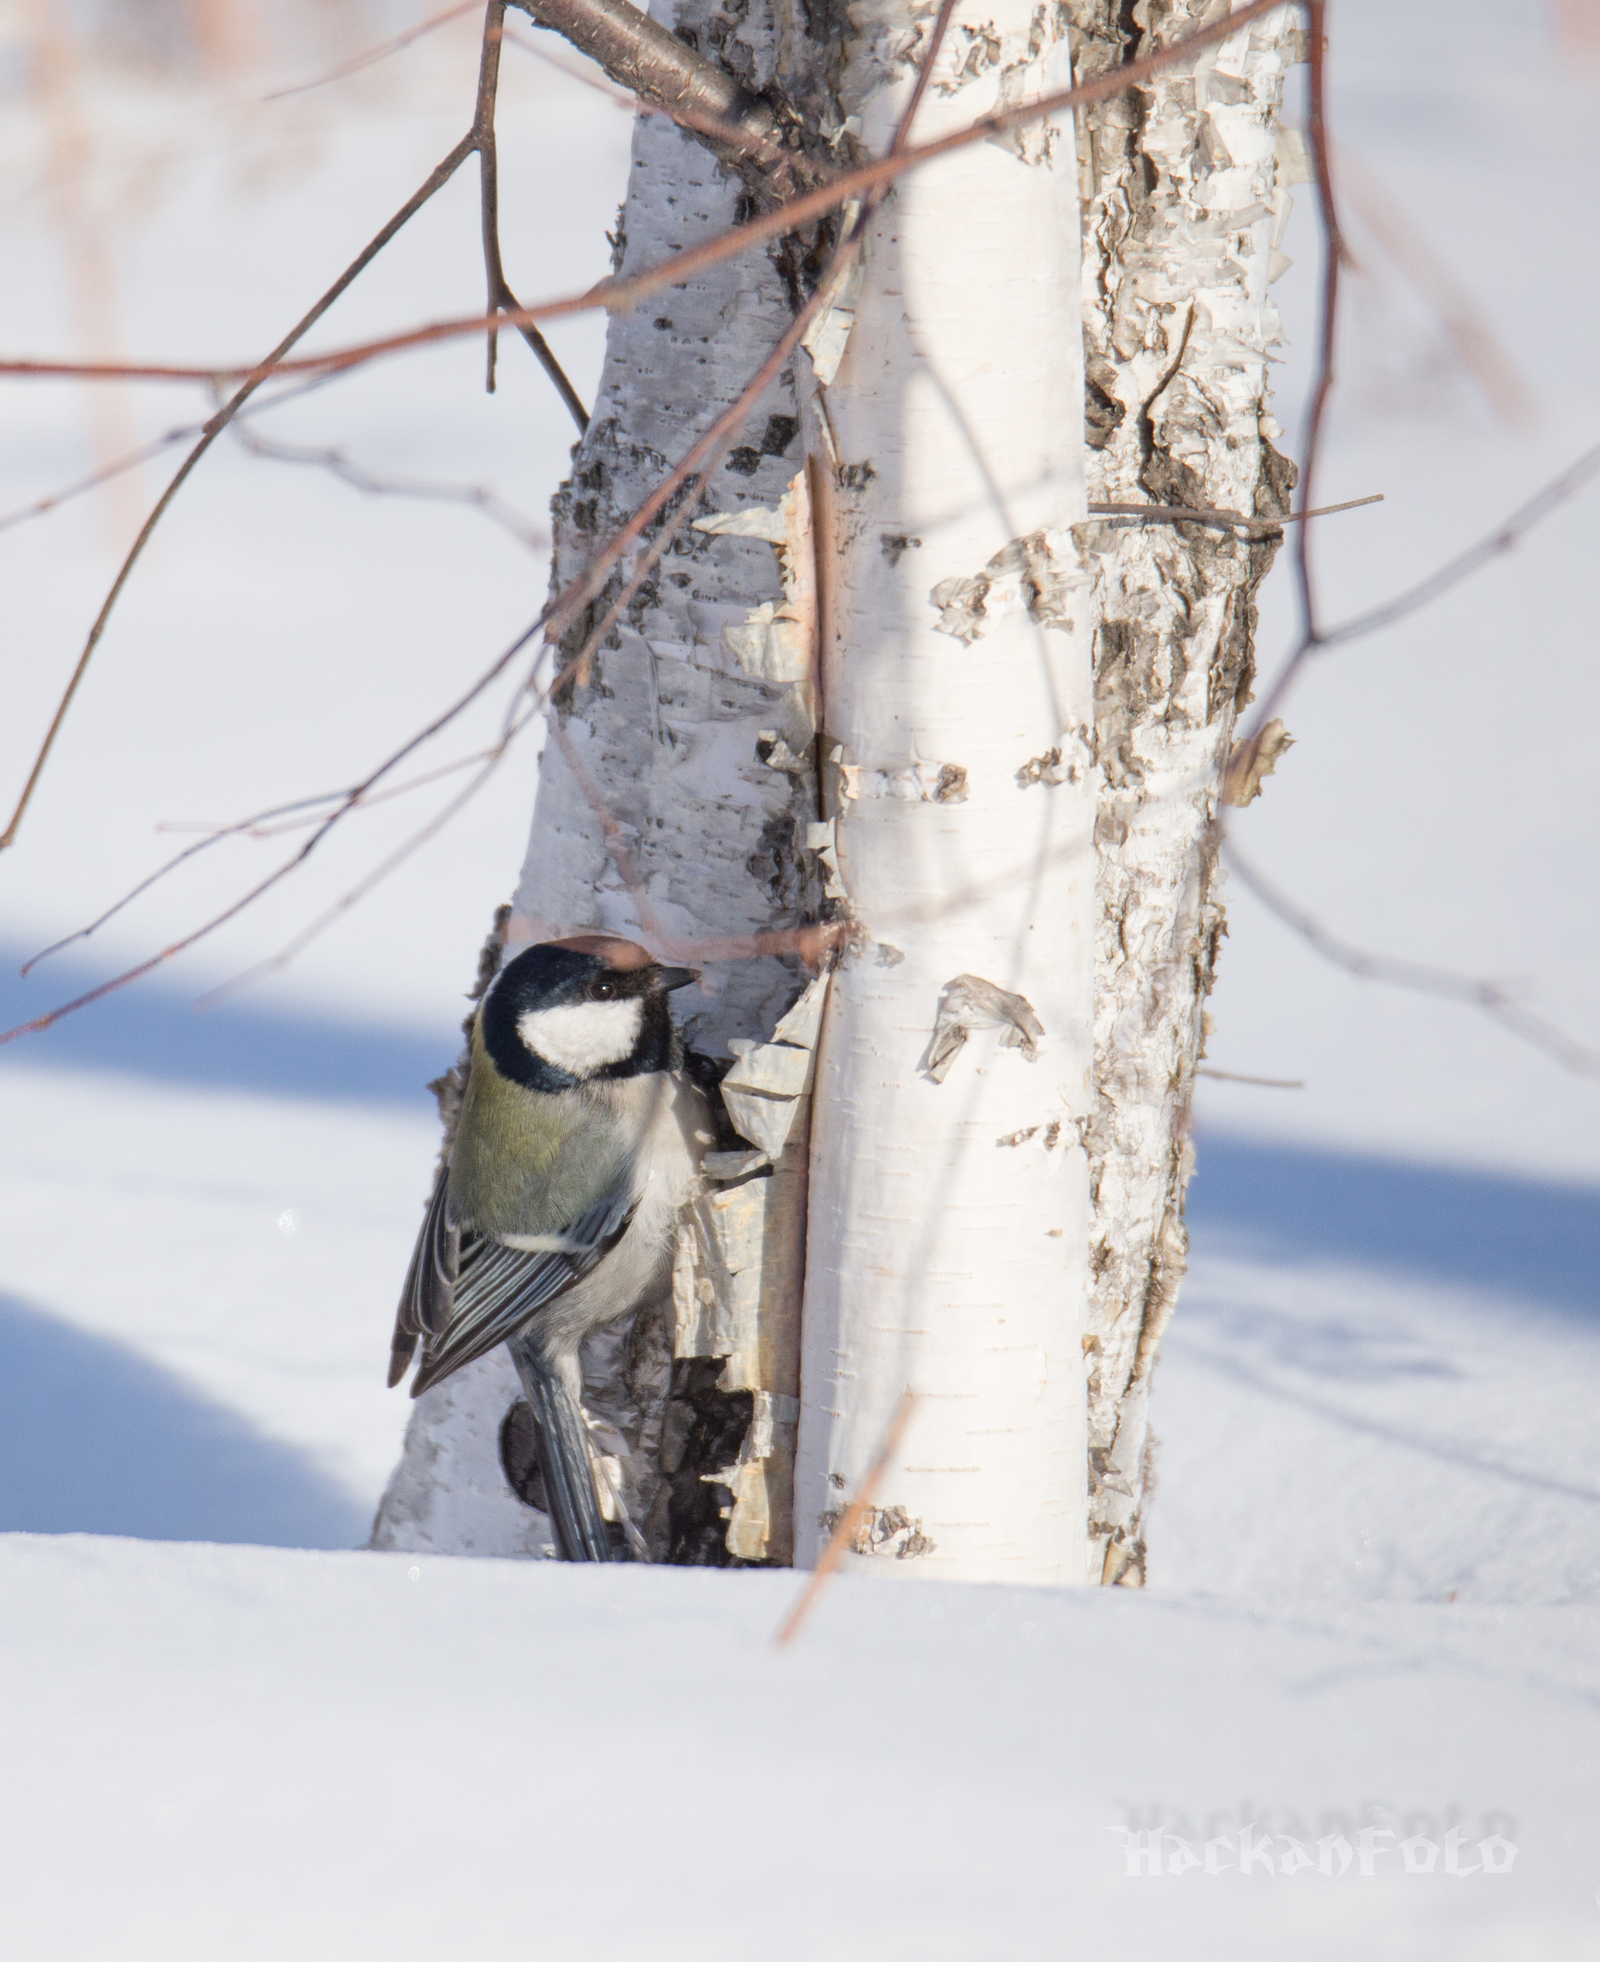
(429,1292)
(498,1287)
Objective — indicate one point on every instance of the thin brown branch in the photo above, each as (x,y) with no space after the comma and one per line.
(650,61)
(1183,514)
(357,63)
(1261,1082)
(919,88)
(759,149)
(618,293)
(145,453)
(440,176)
(1328,327)
(346,803)
(295,816)
(844,1533)
(1502,539)
(500,295)
(491,762)
(489,184)
(476,497)
(1489,996)
(478,138)
(265,825)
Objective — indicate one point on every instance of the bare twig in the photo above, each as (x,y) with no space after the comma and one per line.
(145,453)
(480,135)
(1182,514)
(476,497)
(652,62)
(346,803)
(1489,996)
(843,1537)
(500,293)
(1332,253)
(760,149)
(1412,253)
(358,62)
(1261,1082)
(272,822)
(440,176)
(491,761)
(1502,539)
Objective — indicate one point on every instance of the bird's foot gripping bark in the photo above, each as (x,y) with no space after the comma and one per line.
(569,1476)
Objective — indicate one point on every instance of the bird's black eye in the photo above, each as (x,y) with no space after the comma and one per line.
(604,991)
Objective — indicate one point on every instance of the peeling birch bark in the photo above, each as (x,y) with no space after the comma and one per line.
(1183,213)
(696,723)
(948,1237)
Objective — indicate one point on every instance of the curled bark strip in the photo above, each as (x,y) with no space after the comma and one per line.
(969,1002)
(1253,761)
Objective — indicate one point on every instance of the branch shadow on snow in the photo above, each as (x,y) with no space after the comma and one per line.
(1527,1238)
(96,1439)
(151,1029)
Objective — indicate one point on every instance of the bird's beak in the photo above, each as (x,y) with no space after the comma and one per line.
(668,978)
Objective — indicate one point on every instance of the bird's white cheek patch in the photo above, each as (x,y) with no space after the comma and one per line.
(583,1036)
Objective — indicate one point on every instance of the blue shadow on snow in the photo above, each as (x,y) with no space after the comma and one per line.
(151,1029)
(95,1439)
(1516,1236)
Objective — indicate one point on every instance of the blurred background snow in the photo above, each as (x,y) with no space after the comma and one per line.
(1380,1382)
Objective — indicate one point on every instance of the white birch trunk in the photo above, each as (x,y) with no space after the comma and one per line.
(948,1241)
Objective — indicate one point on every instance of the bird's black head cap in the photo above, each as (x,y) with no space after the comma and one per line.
(559,974)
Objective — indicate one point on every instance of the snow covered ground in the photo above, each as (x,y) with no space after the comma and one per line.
(1376,1542)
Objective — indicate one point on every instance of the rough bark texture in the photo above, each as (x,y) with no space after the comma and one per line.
(695,722)
(1181,212)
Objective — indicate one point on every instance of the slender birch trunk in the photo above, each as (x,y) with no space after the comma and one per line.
(1181,217)
(948,1241)
(862,688)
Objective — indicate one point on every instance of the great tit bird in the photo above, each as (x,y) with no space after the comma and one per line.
(575,1149)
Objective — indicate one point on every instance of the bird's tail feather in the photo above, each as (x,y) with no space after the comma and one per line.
(564,1459)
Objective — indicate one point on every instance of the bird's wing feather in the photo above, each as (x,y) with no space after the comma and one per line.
(430,1284)
(499,1287)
